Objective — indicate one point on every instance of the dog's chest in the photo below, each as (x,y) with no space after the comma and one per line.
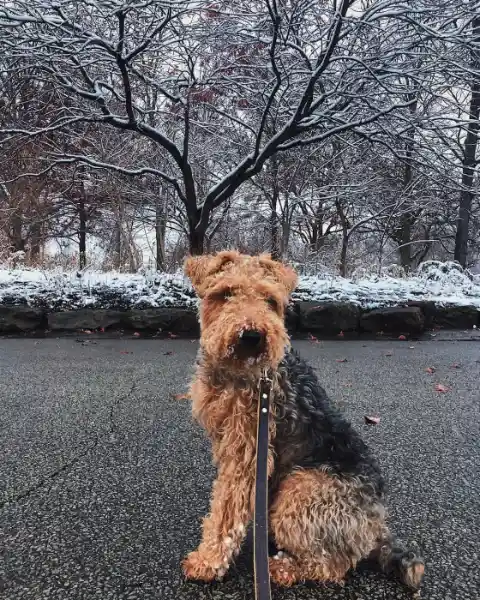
(230,416)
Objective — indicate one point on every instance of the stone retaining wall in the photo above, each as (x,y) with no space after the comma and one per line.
(319,318)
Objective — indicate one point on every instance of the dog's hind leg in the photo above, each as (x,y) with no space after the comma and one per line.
(325,524)
(405,565)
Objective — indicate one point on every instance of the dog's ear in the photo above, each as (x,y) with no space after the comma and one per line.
(195,268)
(200,269)
(283,274)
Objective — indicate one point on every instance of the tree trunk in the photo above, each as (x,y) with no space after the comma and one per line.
(314,238)
(82,229)
(117,241)
(317,228)
(274,235)
(407,218)
(343,251)
(36,242)
(117,246)
(469,157)
(274,224)
(196,239)
(286,232)
(159,237)
(404,239)
(17,241)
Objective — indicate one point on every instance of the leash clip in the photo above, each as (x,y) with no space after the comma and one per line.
(265,379)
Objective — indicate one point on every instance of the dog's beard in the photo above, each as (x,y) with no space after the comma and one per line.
(223,346)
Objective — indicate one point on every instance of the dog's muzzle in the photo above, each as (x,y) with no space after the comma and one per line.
(251,342)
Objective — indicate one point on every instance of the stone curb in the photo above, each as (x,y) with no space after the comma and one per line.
(319,318)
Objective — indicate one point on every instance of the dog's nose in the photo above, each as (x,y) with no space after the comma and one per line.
(250,338)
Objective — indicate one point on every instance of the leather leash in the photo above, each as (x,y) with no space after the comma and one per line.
(260,526)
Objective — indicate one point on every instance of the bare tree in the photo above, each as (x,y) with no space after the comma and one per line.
(191,120)
(254,78)
(469,161)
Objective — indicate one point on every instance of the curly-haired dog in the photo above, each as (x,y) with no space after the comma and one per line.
(326,509)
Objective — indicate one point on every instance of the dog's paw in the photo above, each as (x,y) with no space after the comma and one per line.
(196,566)
(282,570)
(412,569)
(407,566)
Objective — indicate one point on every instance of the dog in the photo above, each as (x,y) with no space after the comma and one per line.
(326,508)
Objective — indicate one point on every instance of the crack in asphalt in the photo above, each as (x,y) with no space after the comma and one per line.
(51,476)
(75,459)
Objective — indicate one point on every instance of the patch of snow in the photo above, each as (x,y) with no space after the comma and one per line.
(63,290)
(443,283)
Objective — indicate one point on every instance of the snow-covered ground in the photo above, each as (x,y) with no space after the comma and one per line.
(66,290)
(444,283)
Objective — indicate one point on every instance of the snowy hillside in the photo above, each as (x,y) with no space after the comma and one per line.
(444,283)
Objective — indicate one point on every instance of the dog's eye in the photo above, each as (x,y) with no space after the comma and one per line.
(227,294)
(272,303)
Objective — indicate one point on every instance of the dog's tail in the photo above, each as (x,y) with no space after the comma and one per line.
(394,559)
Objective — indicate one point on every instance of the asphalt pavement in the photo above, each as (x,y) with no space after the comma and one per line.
(104,477)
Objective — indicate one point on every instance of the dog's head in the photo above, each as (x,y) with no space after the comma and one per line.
(242,311)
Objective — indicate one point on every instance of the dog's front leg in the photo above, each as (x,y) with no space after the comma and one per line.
(225,527)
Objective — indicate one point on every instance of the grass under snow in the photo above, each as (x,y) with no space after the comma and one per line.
(444,283)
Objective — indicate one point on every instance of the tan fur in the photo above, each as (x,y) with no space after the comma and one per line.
(261,288)
(314,516)
(414,575)
(204,270)
(229,416)
(224,391)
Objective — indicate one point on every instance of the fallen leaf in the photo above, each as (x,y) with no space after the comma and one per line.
(372,420)
(312,338)
(85,342)
(390,353)
(402,337)
(86,331)
(439,387)
(341,335)
(181,397)
(172,335)
(136,334)
(125,352)
(342,360)
(455,366)
(168,353)
(430,370)
(102,330)
(412,347)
